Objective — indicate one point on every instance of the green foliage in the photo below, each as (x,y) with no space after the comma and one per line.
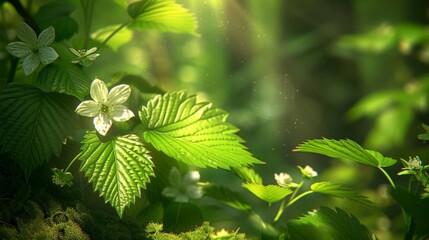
(205,231)
(65,78)
(161,15)
(118,168)
(416,207)
(34,124)
(326,223)
(122,37)
(384,37)
(345,149)
(268,193)
(181,217)
(57,14)
(176,126)
(337,190)
(227,196)
(248,175)
(193,132)
(62,178)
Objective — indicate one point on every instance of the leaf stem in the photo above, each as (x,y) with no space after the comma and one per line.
(299,197)
(411,228)
(388,177)
(283,205)
(87,7)
(115,32)
(72,161)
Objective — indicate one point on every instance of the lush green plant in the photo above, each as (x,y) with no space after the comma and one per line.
(139,146)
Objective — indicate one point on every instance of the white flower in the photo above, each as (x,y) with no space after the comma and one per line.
(415,163)
(283,179)
(183,189)
(308,172)
(84,57)
(33,49)
(106,106)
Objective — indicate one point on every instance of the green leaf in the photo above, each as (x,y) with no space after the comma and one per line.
(375,41)
(65,78)
(193,132)
(412,204)
(119,39)
(248,175)
(118,168)
(326,223)
(56,14)
(424,136)
(227,196)
(345,149)
(337,190)
(62,178)
(162,15)
(382,160)
(269,193)
(181,217)
(34,124)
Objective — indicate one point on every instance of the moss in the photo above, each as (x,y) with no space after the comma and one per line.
(155,231)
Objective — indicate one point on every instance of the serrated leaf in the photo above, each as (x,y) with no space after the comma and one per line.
(162,15)
(193,132)
(337,190)
(268,193)
(118,168)
(326,223)
(382,160)
(56,14)
(65,78)
(345,149)
(227,196)
(34,124)
(119,39)
(248,175)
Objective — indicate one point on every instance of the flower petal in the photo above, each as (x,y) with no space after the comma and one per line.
(88,108)
(175,178)
(26,34)
(170,192)
(92,57)
(31,62)
(102,123)
(46,37)
(119,94)
(191,177)
(98,91)
(47,55)
(194,192)
(92,50)
(121,113)
(75,52)
(19,49)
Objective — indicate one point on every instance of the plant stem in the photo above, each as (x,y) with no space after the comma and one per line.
(283,204)
(115,32)
(299,197)
(388,177)
(25,15)
(411,228)
(72,161)
(13,66)
(87,8)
